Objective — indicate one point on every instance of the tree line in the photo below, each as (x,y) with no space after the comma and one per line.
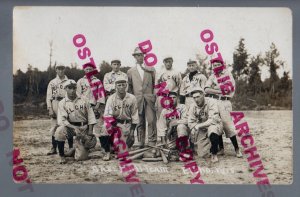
(251,91)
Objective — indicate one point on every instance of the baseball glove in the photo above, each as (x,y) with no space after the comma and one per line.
(89,141)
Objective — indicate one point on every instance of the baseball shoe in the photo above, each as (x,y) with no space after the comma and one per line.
(70,153)
(52,152)
(238,153)
(63,160)
(106,157)
(221,152)
(214,159)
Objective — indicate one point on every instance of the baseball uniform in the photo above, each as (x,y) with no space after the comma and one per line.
(173,80)
(188,85)
(55,93)
(209,115)
(109,81)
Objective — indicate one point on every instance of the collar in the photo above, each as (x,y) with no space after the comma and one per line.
(126,96)
(69,100)
(64,79)
(92,77)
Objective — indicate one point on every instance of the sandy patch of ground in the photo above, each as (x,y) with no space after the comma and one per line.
(272,131)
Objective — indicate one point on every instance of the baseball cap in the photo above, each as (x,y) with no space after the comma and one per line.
(120,79)
(197,89)
(70,82)
(115,61)
(167,57)
(191,61)
(59,66)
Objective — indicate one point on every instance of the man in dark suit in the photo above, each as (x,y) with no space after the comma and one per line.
(141,79)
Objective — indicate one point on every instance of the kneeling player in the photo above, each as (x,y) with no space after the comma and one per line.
(205,124)
(75,117)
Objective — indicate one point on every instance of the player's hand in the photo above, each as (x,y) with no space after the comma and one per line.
(77,131)
(51,113)
(83,128)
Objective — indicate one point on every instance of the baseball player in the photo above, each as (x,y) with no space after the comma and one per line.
(55,93)
(170,123)
(213,90)
(96,100)
(205,124)
(141,79)
(172,79)
(110,78)
(123,107)
(190,81)
(75,117)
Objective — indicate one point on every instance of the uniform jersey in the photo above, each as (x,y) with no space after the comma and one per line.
(229,81)
(84,90)
(164,119)
(55,89)
(188,85)
(123,109)
(208,113)
(110,78)
(78,110)
(172,78)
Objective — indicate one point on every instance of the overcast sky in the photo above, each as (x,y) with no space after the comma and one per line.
(114,32)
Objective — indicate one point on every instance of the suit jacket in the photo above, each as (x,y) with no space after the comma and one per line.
(142,89)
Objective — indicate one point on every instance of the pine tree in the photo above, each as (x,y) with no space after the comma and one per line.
(240,61)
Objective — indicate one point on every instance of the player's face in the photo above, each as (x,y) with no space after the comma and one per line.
(139,58)
(199,98)
(168,64)
(121,87)
(115,66)
(174,98)
(88,69)
(216,64)
(60,71)
(71,91)
(192,67)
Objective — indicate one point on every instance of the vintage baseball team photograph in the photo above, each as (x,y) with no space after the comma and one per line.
(155,95)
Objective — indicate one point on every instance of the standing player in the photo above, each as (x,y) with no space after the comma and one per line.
(205,124)
(96,100)
(75,117)
(55,93)
(110,78)
(122,106)
(192,80)
(172,79)
(213,90)
(141,79)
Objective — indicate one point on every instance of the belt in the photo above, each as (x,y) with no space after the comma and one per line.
(189,95)
(58,98)
(218,97)
(123,121)
(78,124)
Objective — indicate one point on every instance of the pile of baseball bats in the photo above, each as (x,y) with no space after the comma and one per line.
(164,152)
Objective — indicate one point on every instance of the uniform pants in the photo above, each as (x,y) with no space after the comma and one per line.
(225,107)
(203,140)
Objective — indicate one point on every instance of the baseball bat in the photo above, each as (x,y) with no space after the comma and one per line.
(165,160)
(133,157)
(137,151)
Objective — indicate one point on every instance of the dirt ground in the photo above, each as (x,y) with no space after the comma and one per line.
(272,131)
